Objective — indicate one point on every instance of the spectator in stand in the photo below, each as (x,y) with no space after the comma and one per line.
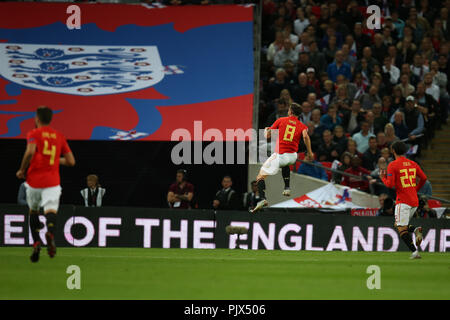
(312,171)
(250,199)
(378,48)
(386,154)
(339,67)
(371,156)
(368,99)
(315,137)
(379,120)
(370,120)
(413,120)
(427,51)
(429,109)
(317,58)
(401,130)
(362,138)
(287,32)
(287,53)
(305,117)
(291,76)
(352,15)
(348,57)
(301,22)
(389,133)
(352,119)
(381,140)
(418,68)
(312,81)
(419,25)
(398,101)
(226,198)
(430,88)
(393,73)
(331,119)
(440,79)
(398,22)
(351,148)
(340,139)
(341,99)
(330,49)
(277,83)
(406,69)
(303,46)
(327,95)
(346,158)
(386,205)
(350,87)
(386,107)
(303,63)
(361,183)
(302,89)
(286,96)
(404,86)
(315,118)
(275,46)
(362,40)
(312,99)
(181,192)
(328,149)
(371,61)
(94,193)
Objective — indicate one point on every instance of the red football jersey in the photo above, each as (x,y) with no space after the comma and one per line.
(44,167)
(401,175)
(289,134)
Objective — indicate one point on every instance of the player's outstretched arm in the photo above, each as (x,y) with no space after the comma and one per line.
(307,141)
(29,152)
(67,160)
(267,133)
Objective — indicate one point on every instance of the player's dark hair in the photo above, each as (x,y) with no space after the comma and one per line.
(399,147)
(296,109)
(44,114)
(184,172)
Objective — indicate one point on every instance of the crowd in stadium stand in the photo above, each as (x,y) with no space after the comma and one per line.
(360,89)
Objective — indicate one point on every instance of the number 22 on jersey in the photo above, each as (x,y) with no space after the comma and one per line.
(408,178)
(50,151)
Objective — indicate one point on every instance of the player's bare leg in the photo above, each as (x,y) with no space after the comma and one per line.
(50,234)
(406,237)
(286,173)
(35,227)
(418,233)
(260,180)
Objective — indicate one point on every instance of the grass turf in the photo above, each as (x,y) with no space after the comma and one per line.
(122,273)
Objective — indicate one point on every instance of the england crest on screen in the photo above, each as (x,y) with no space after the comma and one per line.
(85,70)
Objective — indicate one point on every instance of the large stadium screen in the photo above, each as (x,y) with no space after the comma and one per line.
(126,72)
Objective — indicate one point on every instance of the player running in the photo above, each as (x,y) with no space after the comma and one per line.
(290,130)
(41,163)
(401,175)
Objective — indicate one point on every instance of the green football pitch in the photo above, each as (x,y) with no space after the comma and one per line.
(113,273)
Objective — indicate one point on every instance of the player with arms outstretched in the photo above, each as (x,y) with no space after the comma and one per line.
(290,131)
(40,168)
(401,174)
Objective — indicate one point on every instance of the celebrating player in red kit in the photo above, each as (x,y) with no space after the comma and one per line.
(40,168)
(401,175)
(290,131)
